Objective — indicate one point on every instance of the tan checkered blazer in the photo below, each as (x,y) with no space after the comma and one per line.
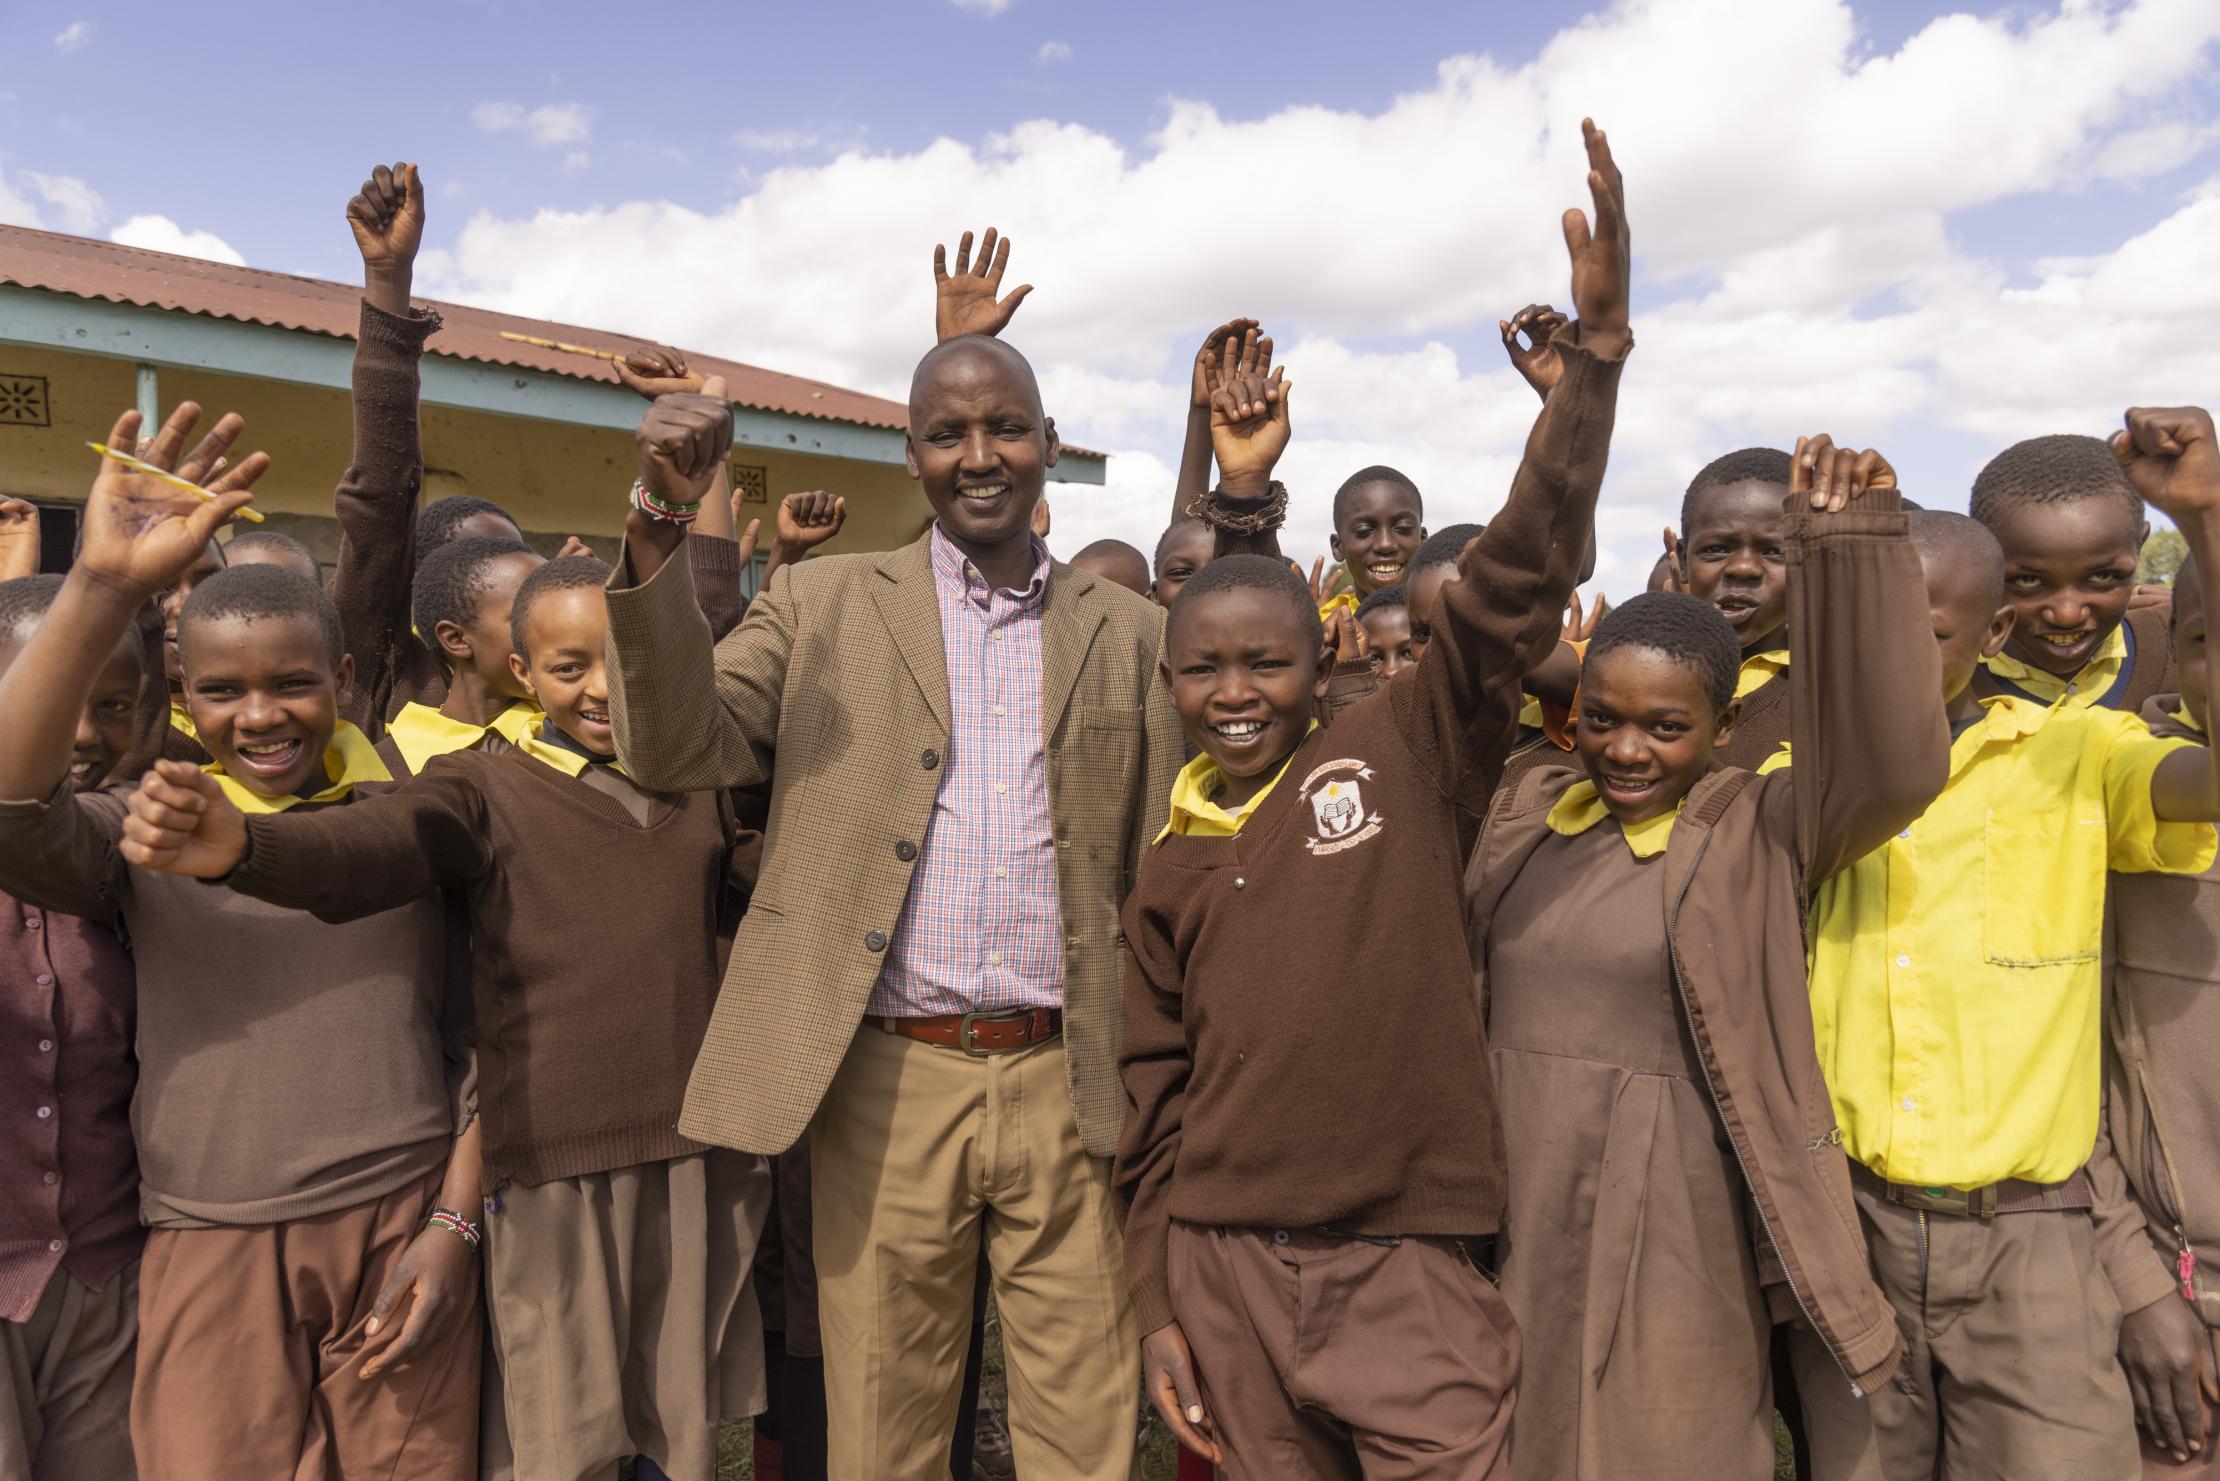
(836,688)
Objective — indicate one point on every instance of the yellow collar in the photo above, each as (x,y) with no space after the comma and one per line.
(2181,716)
(562,758)
(420,732)
(1198,781)
(349,759)
(1758,670)
(181,720)
(2092,683)
(1340,601)
(1581,808)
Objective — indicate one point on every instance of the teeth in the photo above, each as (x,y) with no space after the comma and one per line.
(990,491)
(270,748)
(1240,729)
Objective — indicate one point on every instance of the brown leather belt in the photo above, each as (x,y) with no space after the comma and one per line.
(2012,1196)
(977,1034)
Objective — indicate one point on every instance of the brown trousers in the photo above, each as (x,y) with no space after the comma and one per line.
(2011,1356)
(65,1383)
(250,1341)
(1329,1357)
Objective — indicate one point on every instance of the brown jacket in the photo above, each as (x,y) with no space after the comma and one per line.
(2162,1100)
(1873,751)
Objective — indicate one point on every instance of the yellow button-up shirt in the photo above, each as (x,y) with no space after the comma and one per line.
(1956,985)
(2087,687)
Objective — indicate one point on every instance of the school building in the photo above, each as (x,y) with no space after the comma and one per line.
(88,328)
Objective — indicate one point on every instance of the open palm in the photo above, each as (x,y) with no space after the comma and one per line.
(140,532)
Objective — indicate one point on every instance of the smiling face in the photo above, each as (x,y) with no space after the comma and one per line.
(1377,531)
(1735,548)
(1247,674)
(2069,572)
(265,696)
(172,602)
(104,726)
(566,634)
(1645,730)
(1186,549)
(1388,631)
(979,444)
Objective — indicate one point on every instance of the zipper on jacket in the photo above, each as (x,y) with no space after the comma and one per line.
(2185,1257)
(1680,989)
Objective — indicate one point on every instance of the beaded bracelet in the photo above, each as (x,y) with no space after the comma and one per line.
(447,1218)
(662,509)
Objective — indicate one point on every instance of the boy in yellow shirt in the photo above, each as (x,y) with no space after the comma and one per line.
(1956,994)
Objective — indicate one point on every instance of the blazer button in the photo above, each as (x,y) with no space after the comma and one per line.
(905,851)
(930,759)
(874,941)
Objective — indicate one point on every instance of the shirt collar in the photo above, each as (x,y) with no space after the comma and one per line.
(348,760)
(1581,808)
(954,569)
(2090,685)
(1758,670)
(1194,809)
(420,732)
(547,744)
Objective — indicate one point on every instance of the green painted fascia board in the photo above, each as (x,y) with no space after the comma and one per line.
(31,316)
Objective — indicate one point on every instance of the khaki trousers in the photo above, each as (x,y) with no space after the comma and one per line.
(250,1345)
(65,1383)
(1326,1357)
(919,1153)
(2011,1356)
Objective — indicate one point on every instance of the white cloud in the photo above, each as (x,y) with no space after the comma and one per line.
(576,160)
(1800,264)
(160,234)
(548,125)
(983,7)
(75,36)
(1053,51)
(76,206)
(775,141)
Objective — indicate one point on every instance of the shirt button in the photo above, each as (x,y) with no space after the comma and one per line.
(45,1111)
(1279,1236)
(46,1046)
(55,1245)
(1909,1104)
(49,1179)
(997,711)
(1903,961)
(45,979)
(994,959)
(874,941)
(1001,788)
(31,923)
(1905,834)
(1000,872)
(1239,883)
(930,760)
(905,851)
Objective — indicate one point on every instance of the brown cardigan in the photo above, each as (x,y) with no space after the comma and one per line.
(1302,1047)
(1872,750)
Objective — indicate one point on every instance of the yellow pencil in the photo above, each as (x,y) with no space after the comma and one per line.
(556,344)
(165,476)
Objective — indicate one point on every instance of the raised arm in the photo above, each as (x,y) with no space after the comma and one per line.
(1194,454)
(2170,457)
(375,502)
(964,301)
(1249,432)
(805,521)
(1866,724)
(1529,338)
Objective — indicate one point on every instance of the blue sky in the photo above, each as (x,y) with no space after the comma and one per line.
(772,161)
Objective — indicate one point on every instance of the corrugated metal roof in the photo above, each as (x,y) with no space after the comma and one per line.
(84,268)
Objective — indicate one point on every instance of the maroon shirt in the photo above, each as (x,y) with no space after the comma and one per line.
(69,1179)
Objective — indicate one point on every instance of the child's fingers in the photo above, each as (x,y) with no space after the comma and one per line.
(1575,223)
(170,441)
(1001,261)
(940,262)
(195,465)
(963,254)
(411,186)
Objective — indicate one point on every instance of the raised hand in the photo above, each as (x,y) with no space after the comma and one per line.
(683,440)
(1602,258)
(964,301)
(1830,479)
(659,371)
(387,216)
(2169,456)
(1248,419)
(1324,580)
(19,538)
(808,520)
(1210,359)
(1536,359)
(180,822)
(1043,521)
(1346,636)
(138,533)
(1676,569)
(1579,628)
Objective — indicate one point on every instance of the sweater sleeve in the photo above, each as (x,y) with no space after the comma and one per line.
(2139,1275)
(716,564)
(1501,617)
(372,853)
(375,505)
(60,854)
(1866,727)
(1154,1063)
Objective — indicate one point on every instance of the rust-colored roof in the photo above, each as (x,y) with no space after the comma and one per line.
(84,268)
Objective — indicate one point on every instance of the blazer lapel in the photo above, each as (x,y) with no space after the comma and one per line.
(911,611)
(1072,614)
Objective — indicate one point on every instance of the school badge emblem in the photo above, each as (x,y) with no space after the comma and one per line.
(1338,816)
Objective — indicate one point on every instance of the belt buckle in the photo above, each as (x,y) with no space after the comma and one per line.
(1956,1202)
(964,1030)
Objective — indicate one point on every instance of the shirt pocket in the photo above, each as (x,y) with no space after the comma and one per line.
(2043,891)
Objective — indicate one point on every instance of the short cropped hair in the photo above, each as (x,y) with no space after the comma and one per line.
(453,580)
(1743,465)
(1113,553)
(568,573)
(23,602)
(1180,529)
(1944,538)
(256,593)
(1442,547)
(1250,573)
(1386,596)
(1377,473)
(437,522)
(2064,468)
(274,540)
(1685,629)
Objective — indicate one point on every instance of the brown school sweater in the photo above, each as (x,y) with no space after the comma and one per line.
(593,921)
(1760,728)
(287,1067)
(1302,1045)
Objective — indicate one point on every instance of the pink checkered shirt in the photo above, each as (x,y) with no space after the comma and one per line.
(983,927)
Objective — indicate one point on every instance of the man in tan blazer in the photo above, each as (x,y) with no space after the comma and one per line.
(968,749)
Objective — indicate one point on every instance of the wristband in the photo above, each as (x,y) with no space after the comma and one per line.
(1243,518)
(447,1218)
(662,509)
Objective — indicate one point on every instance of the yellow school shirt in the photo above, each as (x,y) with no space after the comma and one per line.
(1581,808)
(1193,812)
(1956,985)
(349,759)
(1343,601)
(420,732)
(2091,684)
(1760,670)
